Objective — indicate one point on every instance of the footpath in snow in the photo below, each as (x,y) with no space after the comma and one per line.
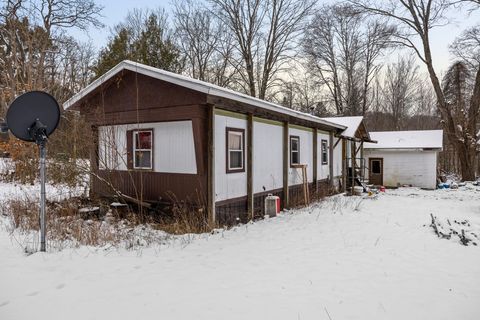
(342,259)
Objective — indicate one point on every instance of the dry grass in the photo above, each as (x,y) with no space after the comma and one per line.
(184,219)
(126,227)
(67,227)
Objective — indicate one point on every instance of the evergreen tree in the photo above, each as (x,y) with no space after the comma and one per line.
(152,46)
(118,49)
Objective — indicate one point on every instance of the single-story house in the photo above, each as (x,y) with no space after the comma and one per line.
(162,135)
(404,158)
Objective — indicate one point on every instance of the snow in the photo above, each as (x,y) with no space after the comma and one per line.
(352,124)
(55,192)
(345,258)
(415,139)
(88,209)
(32,192)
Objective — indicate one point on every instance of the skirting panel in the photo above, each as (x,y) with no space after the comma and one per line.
(234,211)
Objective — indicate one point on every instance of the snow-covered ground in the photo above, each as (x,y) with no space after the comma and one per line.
(343,259)
(32,192)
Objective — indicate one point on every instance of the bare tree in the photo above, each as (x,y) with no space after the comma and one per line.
(32,42)
(399,90)
(344,48)
(416,18)
(10,50)
(302,94)
(71,68)
(197,35)
(264,31)
(467,47)
(57,15)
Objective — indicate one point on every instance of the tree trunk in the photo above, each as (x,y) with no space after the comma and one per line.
(466,153)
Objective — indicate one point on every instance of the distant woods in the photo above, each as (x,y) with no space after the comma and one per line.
(36,52)
(353,57)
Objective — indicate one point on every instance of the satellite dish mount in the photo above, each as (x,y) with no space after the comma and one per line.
(38,132)
(32,117)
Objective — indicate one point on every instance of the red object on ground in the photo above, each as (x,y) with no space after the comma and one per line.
(278,204)
(382,189)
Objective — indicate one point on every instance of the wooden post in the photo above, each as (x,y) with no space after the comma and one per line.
(250,191)
(330,163)
(315,160)
(94,162)
(361,161)
(353,149)
(211,166)
(344,165)
(286,164)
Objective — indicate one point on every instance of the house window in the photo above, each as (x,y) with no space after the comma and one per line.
(235,150)
(142,149)
(324,152)
(294,150)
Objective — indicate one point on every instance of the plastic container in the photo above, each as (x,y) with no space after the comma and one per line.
(272,205)
(357,190)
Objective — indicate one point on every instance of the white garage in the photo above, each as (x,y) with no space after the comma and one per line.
(403,158)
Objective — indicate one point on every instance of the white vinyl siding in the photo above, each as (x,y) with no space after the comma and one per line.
(173,146)
(228,185)
(409,167)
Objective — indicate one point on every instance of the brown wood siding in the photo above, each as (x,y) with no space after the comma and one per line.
(129,149)
(131,98)
(153,186)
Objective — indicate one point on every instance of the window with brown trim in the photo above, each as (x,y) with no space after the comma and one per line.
(324,152)
(143,149)
(235,148)
(294,150)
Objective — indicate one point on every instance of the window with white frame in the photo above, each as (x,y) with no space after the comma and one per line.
(294,150)
(143,149)
(324,152)
(235,150)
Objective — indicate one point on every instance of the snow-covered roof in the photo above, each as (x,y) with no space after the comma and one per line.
(415,139)
(196,85)
(352,124)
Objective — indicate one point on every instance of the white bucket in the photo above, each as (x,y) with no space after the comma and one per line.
(357,190)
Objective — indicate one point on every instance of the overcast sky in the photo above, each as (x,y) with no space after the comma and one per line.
(115,11)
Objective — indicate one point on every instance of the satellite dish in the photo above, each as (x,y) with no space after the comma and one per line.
(33,116)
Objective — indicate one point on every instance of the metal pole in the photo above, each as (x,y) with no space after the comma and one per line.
(42,196)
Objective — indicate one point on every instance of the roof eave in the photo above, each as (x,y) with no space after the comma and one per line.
(404,149)
(194,85)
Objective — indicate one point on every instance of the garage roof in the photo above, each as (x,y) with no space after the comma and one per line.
(415,139)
